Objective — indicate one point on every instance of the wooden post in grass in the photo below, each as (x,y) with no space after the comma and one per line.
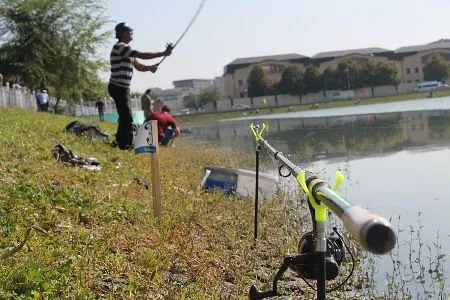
(146,141)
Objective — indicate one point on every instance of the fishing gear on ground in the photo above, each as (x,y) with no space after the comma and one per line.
(320,257)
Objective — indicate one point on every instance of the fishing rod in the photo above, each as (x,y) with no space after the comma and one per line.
(171,46)
(320,256)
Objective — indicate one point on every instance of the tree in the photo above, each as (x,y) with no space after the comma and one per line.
(190,101)
(209,95)
(348,74)
(312,80)
(53,43)
(436,69)
(329,79)
(291,81)
(257,82)
(386,74)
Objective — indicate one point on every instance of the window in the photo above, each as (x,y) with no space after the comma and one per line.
(409,81)
(241,94)
(416,70)
(408,71)
(241,83)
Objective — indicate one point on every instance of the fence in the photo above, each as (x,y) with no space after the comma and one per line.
(24,98)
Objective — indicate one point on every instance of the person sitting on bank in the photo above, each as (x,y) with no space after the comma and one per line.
(165,121)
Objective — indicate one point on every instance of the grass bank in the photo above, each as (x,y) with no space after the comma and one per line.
(101,240)
(93,235)
(330,104)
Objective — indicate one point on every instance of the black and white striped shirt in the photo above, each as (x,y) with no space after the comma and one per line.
(121,67)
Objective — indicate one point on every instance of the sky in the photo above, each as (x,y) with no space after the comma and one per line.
(230,29)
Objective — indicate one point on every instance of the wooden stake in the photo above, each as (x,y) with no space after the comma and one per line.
(156,181)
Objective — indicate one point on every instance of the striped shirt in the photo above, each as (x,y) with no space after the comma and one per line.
(121,67)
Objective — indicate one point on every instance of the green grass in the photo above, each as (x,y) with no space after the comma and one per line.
(101,240)
(330,104)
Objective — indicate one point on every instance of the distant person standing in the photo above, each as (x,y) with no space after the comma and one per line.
(147,103)
(123,58)
(101,109)
(1,80)
(42,99)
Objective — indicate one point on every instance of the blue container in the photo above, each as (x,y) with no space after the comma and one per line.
(221,178)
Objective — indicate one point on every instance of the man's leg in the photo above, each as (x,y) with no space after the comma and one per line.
(121,98)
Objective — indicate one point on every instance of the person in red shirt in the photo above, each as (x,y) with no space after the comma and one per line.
(168,128)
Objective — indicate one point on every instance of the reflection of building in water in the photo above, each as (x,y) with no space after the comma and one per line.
(346,136)
(415,126)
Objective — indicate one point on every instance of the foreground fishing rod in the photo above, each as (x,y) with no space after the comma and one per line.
(320,256)
(171,46)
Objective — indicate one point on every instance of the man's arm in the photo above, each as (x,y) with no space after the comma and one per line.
(175,127)
(143,68)
(151,55)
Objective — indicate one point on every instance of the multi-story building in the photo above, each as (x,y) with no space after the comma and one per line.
(332,59)
(192,84)
(409,61)
(412,59)
(236,72)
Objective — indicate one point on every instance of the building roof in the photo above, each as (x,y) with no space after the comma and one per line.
(440,44)
(341,53)
(256,59)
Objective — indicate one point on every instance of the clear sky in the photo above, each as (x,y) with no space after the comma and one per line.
(230,29)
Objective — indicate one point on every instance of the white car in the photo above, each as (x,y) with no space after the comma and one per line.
(429,86)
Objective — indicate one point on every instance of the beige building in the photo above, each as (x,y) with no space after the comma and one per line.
(412,59)
(332,59)
(409,61)
(236,72)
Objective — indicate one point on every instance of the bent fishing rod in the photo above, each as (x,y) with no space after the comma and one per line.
(320,256)
(171,46)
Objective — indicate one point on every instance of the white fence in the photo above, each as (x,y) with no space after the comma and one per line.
(20,97)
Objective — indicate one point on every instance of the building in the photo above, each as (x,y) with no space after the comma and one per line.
(171,97)
(409,61)
(332,59)
(236,72)
(192,84)
(412,59)
(219,83)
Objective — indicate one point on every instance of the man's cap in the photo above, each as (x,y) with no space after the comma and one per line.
(121,28)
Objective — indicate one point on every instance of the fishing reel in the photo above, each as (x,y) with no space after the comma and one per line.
(335,255)
(304,264)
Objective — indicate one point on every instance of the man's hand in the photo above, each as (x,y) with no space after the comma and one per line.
(153,68)
(168,50)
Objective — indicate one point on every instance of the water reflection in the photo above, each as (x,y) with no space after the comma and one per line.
(396,164)
(313,139)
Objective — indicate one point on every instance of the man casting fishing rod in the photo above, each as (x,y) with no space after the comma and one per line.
(123,58)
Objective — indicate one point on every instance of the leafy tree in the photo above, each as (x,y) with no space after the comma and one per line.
(209,95)
(52,43)
(329,79)
(190,101)
(347,74)
(257,82)
(436,69)
(291,81)
(312,80)
(386,74)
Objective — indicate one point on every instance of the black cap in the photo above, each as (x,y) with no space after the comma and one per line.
(121,28)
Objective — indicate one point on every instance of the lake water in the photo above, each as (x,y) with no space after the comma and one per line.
(396,159)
